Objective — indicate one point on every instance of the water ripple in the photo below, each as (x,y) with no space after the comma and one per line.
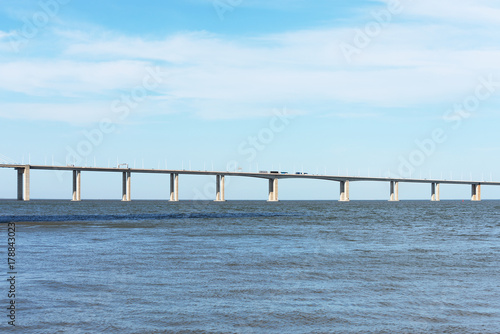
(138,217)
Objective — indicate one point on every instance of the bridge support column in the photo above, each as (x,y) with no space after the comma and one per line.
(129,186)
(126,187)
(344,191)
(476,192)
(20,184)
(23,184)
(394,194)
(76,186)
(219,188)
(435,192)
(273,190)
(174,187)
(223,187)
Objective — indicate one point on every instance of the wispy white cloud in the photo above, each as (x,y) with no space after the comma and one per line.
(351,115)
(4,34)
(66,78)
(464,11)
(409,64)
(5,41)
(73,113)
(276,4)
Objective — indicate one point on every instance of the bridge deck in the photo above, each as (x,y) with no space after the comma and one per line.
(250,174)
(23,181)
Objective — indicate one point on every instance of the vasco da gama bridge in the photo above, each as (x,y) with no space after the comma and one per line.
(23,181)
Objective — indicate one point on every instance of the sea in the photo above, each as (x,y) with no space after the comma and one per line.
(251,267)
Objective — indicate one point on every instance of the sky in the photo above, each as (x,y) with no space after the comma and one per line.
(400,88)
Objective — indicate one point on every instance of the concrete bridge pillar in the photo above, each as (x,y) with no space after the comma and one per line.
(435,192)
(20,184)
(476,192)
(273,190)
(23,183)
(174,187)
(129,186)
(223,187)
(126,187)
(219,188)
(344,191)
(394,192)
(76,186)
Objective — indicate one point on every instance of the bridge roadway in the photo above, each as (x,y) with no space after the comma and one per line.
(23,181)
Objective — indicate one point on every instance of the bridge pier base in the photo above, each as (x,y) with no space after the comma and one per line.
(476,192)
(394,192)
(435,192)
(174,187)
(273,190)
(76,186)
(344,191)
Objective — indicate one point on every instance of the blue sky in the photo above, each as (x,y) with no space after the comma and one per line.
(407,88)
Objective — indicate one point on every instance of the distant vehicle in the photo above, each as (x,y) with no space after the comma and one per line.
(298,173)
(306,173)
(284,172)
(274,172)
(263,171)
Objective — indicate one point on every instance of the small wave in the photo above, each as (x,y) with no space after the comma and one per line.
(138,217)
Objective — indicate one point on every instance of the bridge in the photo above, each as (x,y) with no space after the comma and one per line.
(24,171)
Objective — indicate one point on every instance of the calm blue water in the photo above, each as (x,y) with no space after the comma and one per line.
(254,267)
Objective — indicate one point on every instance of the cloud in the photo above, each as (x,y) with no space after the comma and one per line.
(6,41)
(4,34)
(355,115)
(409,64)
(275,4)
(464,11)
(63,78)
(73,113)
